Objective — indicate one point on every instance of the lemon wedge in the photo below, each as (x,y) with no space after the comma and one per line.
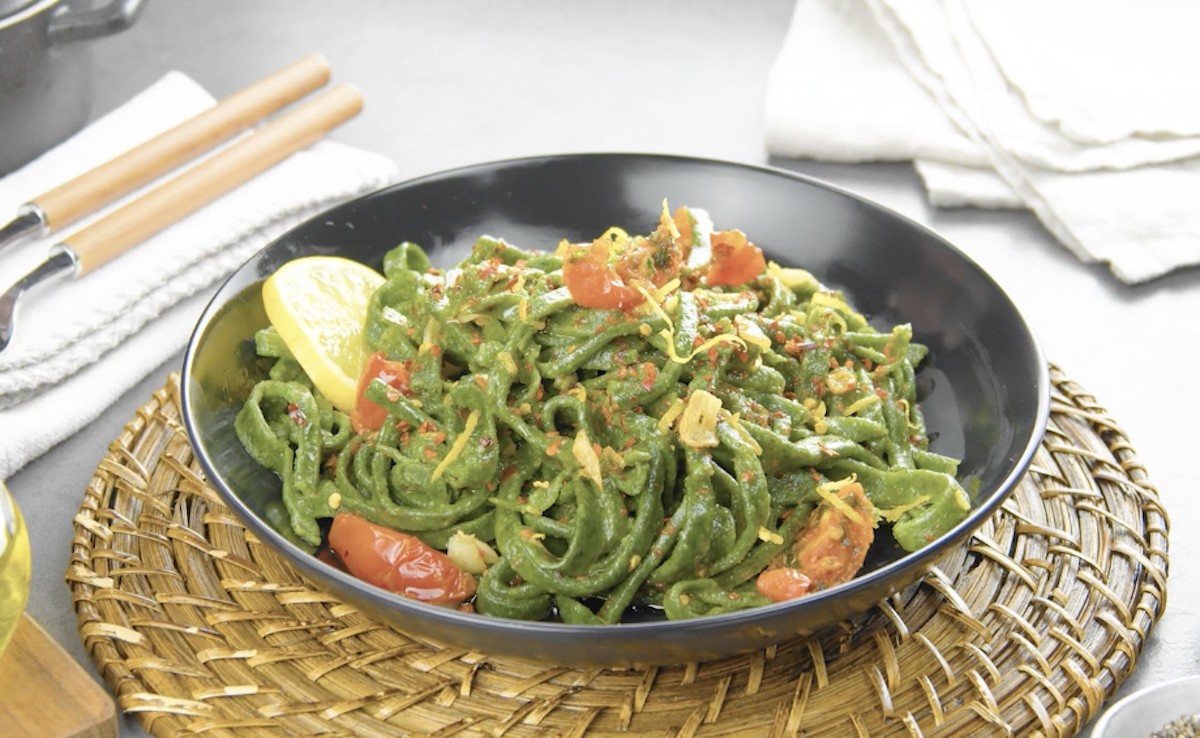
(318,304)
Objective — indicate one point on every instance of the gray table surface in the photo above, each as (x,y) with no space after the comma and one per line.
(454,83)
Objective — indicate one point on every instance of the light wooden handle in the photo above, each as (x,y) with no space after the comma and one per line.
(119,176)
(212,178)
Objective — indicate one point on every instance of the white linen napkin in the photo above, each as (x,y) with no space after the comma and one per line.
(1077,111)
(80,344)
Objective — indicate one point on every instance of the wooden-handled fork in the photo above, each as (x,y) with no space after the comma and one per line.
(87,193)
(91,247)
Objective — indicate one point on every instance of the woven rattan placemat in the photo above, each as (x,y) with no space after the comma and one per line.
(200,629)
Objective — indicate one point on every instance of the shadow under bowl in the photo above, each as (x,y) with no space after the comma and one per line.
(985,381)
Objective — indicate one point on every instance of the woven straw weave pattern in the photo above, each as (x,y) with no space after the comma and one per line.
(199,629)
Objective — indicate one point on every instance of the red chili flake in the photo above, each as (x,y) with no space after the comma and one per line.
(698,340)
(438,439)
(743,356)
(555,447)
(816,477)
(826,451)
(833,362)
(541,392)
(507,473)
(747,476)
(430,453)
(296,415)
(402,425)
(426,427)
(881,392)
(476,339)
(491,486)
(623,372)
(712,354)
(786,514)
(404,438)
(734,596)
(629,443)
(522,499)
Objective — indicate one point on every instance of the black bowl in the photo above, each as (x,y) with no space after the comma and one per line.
(987,381)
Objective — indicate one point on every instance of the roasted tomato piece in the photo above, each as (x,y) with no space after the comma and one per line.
(592,280)
(367,415)
(830,548)
(683,224)
(784,583)
(606,276)
(398,562)
(734,259)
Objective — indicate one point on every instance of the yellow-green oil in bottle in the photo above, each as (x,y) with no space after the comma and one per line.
(15,566)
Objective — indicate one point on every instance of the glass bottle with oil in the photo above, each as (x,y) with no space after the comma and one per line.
(15,566)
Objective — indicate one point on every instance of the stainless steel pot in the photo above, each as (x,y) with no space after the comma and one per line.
(45,71)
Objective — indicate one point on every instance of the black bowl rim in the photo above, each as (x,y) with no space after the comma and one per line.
(920,560)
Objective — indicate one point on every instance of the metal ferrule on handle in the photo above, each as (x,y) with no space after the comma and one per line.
(208,180)
(87,193)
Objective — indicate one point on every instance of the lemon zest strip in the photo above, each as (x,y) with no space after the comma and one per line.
(456,450)
(829,493)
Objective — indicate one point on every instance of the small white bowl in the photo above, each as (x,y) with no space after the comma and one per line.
(1151,709)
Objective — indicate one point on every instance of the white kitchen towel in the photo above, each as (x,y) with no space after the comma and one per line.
(80,344)
(1083,119)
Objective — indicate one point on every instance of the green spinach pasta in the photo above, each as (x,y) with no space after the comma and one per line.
(662,421)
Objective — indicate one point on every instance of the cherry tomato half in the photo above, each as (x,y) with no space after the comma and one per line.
(592,281)
(367,415)
(782,584)
(598,278)
(398,562)
(734,259)
(828,550)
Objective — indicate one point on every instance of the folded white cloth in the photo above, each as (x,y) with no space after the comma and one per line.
(80,344)
(1079,112)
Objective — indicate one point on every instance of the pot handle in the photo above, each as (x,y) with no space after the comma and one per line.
(114,17)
